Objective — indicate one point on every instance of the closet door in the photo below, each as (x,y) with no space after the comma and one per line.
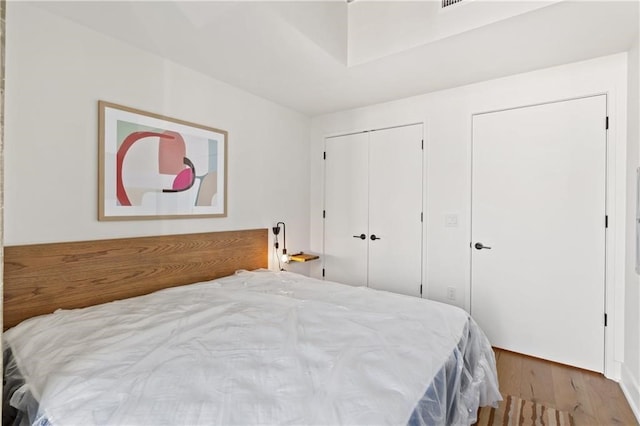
(346,192)
(395,208)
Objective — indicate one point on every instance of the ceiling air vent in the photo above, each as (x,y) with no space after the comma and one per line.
(446,3)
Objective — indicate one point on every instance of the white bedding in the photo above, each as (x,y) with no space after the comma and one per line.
(255,348)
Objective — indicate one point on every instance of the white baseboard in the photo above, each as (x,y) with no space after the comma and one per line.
(631,391)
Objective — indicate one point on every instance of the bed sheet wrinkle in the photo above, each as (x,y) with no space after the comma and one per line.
(278,348)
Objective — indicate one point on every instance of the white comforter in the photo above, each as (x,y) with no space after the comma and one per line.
(254,348)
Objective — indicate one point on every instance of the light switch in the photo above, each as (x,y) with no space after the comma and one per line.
(451,221)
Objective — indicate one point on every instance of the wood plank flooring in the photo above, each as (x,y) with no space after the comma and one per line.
(590,397)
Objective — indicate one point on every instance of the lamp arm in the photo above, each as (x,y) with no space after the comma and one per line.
(284,237)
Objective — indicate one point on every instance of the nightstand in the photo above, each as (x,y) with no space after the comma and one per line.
(303,257)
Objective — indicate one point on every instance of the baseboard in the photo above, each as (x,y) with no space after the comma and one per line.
(631,391)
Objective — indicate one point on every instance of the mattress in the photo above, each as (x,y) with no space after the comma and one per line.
(257,347)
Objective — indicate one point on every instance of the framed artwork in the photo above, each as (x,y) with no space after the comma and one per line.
(156,167)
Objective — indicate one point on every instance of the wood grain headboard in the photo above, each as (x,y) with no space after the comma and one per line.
(40,278)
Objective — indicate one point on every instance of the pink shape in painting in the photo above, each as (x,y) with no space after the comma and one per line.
(171,151)
(184,180)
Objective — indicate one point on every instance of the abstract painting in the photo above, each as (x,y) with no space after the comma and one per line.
(156,167)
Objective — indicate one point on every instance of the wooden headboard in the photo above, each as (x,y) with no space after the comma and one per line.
(40,278)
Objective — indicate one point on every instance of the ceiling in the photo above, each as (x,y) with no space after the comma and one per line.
(297,54)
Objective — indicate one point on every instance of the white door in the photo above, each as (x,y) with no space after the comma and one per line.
(395,207)
(538,200)
(346,207)
(373,204)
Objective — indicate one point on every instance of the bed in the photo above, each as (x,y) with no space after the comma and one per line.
(251,346)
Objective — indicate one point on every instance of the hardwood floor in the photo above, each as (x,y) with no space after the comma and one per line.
(590,397)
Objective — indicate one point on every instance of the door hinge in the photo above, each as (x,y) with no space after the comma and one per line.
(323,272)
(605,320)
(324,155)
(420,289)
(606,126)
(421,216)
(422,145)
(324,214)
(606,221)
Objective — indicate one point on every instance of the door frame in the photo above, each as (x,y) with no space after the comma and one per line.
(423,248)
(615,169)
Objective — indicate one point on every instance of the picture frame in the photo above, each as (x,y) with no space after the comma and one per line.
(155,167)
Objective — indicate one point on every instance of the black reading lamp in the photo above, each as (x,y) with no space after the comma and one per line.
(276,231)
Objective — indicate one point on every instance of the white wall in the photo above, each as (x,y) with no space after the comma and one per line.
(447,115)
(631,368)
(377,29)
(56,73)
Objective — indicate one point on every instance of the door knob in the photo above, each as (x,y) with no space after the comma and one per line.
(480,246)
(373,237)
(361,236)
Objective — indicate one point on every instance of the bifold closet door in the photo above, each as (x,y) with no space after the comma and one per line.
(395,209)
(373,206)
(346,207)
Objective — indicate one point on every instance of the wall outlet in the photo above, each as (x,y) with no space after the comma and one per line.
(451,293)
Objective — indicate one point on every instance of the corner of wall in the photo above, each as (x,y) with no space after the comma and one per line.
(631,390)
(3,6)
(630,371)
